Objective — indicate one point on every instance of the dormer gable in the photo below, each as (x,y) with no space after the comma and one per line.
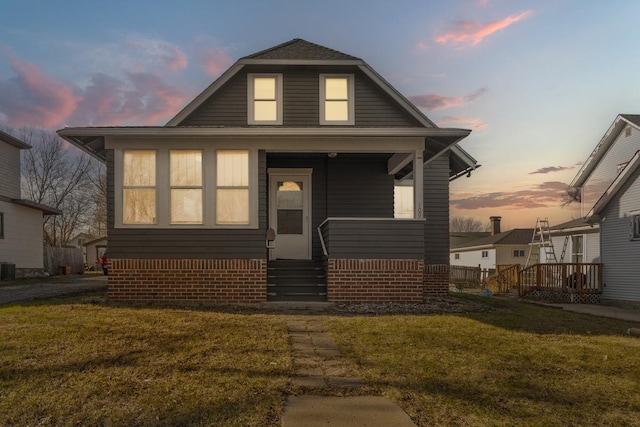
(301,84)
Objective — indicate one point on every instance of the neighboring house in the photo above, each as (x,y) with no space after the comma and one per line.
(277,183)
(21,233)
(499,248)
(609,202)
(94,249)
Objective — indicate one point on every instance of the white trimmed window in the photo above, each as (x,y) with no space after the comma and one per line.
(264,99)
(518,253)
(185,176)
(337,95)
(139,187)
(485,254)
(635,227)
(232,187)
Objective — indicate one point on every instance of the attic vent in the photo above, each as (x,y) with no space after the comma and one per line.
(627,131)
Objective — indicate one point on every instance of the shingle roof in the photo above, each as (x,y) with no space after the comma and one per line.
(13,141)
(300,49)
(517,236)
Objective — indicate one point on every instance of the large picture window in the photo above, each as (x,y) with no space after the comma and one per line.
(336,99)
(264,99)
(232,192)
(186,186)
(139,187)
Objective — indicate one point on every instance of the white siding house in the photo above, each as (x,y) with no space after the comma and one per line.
(21,245)
(618,213)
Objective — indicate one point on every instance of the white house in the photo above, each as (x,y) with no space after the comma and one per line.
(609,202)
(498,248)
(21,235)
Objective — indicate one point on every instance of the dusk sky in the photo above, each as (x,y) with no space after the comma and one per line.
(538,82)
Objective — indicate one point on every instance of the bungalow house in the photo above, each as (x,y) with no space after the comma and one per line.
(21,235)
(277,183)
(489,251)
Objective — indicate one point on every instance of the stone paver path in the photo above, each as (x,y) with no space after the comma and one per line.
(317,360)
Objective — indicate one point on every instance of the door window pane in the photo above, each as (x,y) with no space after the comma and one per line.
(289,221)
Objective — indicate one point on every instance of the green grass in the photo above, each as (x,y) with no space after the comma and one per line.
(529,365)
(69,362)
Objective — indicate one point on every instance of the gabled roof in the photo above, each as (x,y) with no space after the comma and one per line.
(618,125)
(574,226)
(614,188)
(298,49)
(517,236)
(13,141)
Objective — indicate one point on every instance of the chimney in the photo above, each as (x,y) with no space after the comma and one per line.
(495,224)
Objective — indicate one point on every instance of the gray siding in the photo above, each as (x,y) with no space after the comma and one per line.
(359,189)
(619,254)
(377,239)
(301,103)
(9,171)
(436,211)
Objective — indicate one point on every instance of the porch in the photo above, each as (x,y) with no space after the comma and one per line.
(570,282)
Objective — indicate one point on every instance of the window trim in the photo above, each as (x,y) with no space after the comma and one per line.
(350,100)
(251,99)
(163,201)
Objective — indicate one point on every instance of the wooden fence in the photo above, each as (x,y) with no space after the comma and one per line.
(58,260)
(469,277)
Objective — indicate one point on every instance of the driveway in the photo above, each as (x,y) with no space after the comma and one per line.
(48,288)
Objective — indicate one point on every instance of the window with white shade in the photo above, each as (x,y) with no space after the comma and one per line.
(185,177)
(139,187)
(337,99)
(232,187)
(264,99)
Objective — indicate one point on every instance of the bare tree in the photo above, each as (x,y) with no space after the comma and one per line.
(58,175)
(572,194)
(467,225)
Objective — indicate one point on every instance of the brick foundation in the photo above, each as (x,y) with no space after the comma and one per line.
(436,280)
(188,281)
(370,280)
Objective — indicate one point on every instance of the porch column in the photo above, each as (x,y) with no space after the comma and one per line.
(418,185)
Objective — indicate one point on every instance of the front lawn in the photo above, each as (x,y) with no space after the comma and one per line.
(529,365)
(77,363)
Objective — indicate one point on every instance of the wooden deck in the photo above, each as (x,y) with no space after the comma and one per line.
(567,282)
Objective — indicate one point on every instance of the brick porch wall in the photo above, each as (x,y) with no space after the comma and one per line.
(369,280)
(188,280)
(436,280)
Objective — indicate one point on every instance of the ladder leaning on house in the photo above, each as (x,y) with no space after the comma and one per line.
(543,242)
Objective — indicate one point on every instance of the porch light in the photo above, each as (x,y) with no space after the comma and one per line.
(332,155)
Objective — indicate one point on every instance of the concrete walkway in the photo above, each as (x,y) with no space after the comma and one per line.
(320,368)
(630,314)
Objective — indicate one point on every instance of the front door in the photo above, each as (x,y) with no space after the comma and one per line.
(289,212)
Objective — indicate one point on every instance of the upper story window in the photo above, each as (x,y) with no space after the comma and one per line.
(185,176)
(139,187)
(264,99)
(337,93)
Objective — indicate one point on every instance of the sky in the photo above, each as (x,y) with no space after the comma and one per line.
(538,82)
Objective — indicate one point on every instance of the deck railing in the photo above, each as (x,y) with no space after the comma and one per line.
(505,279)
(574,278)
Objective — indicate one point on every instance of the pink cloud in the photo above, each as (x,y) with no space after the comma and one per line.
(438,102)
(175,58)
(142,98)
(474,32)
(33,98)
(423,46)
(544,195)
(474,124)
(214,60)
